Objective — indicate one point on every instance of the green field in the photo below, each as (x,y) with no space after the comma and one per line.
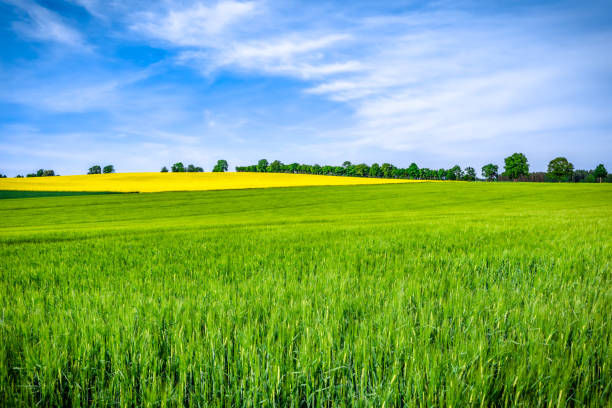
(441,294)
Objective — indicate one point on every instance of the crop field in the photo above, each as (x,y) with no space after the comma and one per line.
(159,182)
(410,294)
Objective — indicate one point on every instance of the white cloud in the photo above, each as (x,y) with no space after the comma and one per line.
(44,25)
(291,56)
(283,49)
(228,35)
(196,26)
(429,86)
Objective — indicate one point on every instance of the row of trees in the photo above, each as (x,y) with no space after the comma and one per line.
(48,173)
(385,170)
(179,167)
(39,173)
(599,174)
(560,169)
(96,169)
(516,167)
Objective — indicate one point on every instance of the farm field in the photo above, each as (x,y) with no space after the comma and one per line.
(160,182)
(410,294)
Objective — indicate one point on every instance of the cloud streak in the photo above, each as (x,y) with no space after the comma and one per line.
(41,24)
(194,26)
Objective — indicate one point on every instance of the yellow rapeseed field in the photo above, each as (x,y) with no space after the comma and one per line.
(157,182)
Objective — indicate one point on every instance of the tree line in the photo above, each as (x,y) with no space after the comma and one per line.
(179,167)
(38,173)
(516,167)
(385,170)
(95,169)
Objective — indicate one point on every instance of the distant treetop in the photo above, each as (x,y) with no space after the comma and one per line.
(220,167)
(516,166)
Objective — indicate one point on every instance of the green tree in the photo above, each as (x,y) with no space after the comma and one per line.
(194,169)
(470,174)
(178,167)
(375,170)
(516,166)
(454,173)
(294,167)
(413,171)
(48,173)
(262,166)
(349,168)
(387,170)
(221,166)
(275,166)
(94,170)
(108,169)
(560,169)
(164,169)
(362,170)
(581,175)
(489,171)
(600,172)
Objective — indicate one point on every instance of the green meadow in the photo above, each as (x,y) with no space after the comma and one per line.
(424,294)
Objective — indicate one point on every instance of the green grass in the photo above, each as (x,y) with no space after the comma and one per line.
(4,194)
(442,294)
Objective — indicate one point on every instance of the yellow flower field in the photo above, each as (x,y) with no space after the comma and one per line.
(157,182)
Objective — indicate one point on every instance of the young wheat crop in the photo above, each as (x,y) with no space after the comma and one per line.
(445,294)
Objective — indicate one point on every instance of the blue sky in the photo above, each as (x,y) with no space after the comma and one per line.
(143,84)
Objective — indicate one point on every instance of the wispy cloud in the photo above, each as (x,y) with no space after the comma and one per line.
(41,24)
(227,35)
(194,26)
(434,83)
(290,56)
